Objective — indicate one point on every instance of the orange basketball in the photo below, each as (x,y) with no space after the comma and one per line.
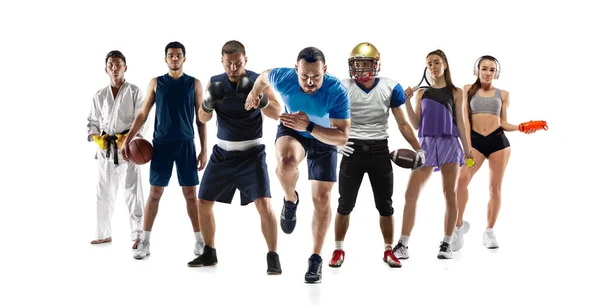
(140,151)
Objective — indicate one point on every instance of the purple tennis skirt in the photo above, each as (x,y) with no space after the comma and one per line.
(442,150)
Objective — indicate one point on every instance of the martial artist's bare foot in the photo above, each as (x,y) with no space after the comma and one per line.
(135,244)
(106,240)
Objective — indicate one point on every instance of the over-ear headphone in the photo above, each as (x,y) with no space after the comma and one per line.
(476,67)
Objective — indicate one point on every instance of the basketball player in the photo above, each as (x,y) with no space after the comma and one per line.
(487,109)
(238,160)
(438,117)
(315,121)
(178,98)
(113,110)
(371,98)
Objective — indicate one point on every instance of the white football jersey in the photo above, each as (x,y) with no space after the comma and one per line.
(370,110)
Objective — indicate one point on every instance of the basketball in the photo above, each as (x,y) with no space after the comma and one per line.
(140,151)
(403,158)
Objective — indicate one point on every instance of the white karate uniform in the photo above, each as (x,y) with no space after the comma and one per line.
(114,115)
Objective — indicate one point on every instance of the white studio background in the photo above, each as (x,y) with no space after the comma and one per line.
(53,56)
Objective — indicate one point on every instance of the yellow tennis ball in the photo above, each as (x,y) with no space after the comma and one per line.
(470,162)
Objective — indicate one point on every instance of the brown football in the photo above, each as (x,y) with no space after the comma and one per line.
(403,158)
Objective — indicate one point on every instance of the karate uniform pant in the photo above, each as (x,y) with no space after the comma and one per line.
(110,177)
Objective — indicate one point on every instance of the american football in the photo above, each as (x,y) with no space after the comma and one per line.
(403,158)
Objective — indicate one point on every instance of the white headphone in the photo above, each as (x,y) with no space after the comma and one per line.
(476,67)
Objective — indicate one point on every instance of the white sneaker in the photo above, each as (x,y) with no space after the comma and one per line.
(401,251)
(458,240)
(489,239)
(199,248)
(445,251)
(142,251)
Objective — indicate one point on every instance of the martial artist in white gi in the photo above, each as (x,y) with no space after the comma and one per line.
(112,113)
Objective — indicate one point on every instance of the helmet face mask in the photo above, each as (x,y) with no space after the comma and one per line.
(362,53)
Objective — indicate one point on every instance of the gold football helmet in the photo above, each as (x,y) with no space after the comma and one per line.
(363,52)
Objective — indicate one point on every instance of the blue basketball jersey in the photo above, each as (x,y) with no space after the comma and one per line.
(175,108)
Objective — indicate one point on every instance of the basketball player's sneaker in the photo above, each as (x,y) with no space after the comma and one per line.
(142,251)
(199,248)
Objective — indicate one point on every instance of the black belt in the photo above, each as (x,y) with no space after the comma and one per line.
(369,146)
(111,140)
(368,142)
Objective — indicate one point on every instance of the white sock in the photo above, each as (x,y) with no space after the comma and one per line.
(339,245)
(404,239)
(198,236)
(447,238)
(489,230)
(388,246)
(146,236)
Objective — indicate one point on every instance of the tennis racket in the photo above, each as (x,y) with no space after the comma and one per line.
(420,85)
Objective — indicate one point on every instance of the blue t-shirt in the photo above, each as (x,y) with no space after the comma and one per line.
(331,101)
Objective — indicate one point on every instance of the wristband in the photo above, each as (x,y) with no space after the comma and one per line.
(310,127)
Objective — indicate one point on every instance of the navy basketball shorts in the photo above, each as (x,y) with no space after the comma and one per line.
(182,154)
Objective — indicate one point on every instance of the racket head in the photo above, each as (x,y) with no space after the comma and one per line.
(420,85)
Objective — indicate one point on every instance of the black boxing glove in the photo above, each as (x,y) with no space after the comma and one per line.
(264,101)
(244,87)
(216,94)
